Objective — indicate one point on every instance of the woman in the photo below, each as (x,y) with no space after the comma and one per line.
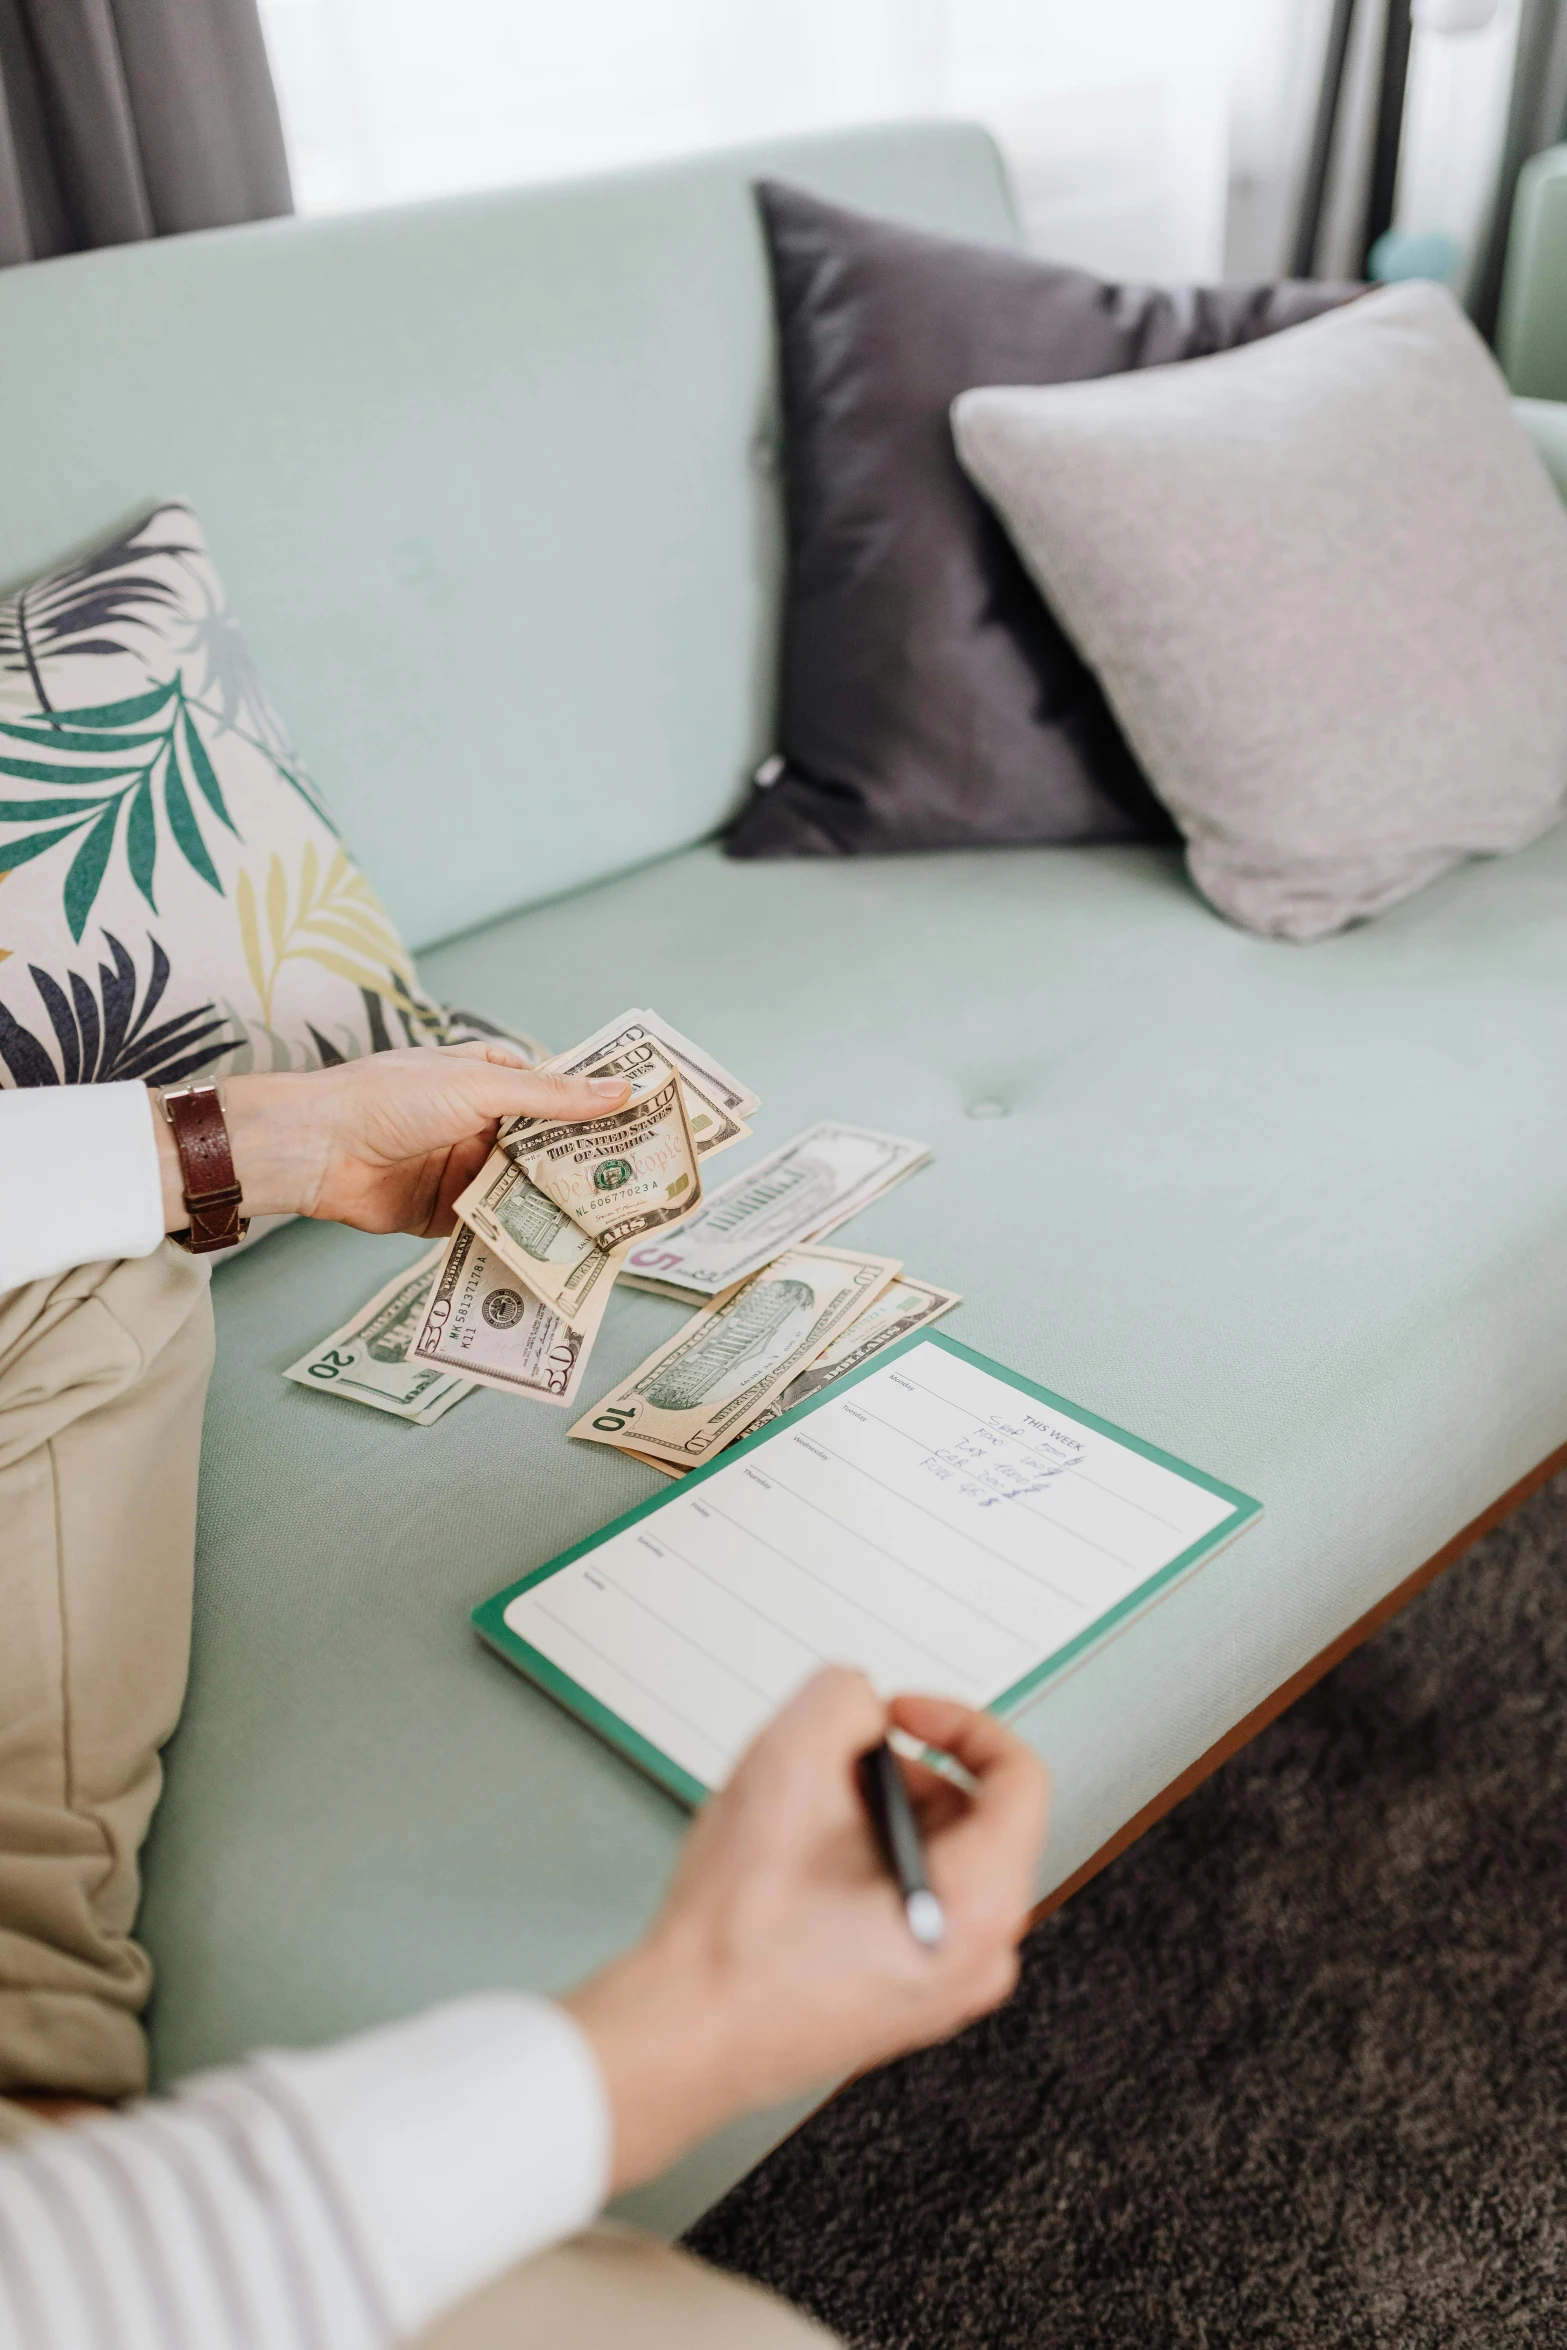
(350,2195)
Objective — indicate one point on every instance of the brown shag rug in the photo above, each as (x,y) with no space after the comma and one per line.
(1293,2071)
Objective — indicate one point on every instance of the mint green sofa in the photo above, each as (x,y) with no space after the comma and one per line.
(1531,334)
(494,486)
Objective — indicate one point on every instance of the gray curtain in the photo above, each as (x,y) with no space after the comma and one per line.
(1536,118)
(124,119)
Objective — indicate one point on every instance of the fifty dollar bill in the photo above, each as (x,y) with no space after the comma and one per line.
(366,1360)
(482,1324)
(538,1241)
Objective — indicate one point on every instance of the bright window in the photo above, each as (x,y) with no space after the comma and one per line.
(1114,115)
(1146,138)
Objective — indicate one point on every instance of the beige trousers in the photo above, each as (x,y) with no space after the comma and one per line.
(614,2290)
(103,1375)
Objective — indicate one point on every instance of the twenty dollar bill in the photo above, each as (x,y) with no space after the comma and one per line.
(366,1360)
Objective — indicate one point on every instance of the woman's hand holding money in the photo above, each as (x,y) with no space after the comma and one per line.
(386,1143)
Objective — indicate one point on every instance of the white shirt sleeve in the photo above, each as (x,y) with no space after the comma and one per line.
(346,2195)
(79,1178)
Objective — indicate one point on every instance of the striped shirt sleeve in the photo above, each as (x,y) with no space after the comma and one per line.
(330,2200)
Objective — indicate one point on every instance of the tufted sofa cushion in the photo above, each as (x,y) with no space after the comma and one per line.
(1296,1215)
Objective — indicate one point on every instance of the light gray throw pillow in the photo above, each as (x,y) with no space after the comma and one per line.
(1323,581)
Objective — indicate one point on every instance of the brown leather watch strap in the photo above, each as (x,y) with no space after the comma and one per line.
(212,1193)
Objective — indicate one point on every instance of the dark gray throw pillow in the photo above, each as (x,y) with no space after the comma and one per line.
(928,699)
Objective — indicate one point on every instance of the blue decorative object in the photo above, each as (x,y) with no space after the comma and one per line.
(1398,253)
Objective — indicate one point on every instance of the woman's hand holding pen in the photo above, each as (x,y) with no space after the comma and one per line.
(783,1955)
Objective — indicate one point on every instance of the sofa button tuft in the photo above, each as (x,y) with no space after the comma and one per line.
(987,1109)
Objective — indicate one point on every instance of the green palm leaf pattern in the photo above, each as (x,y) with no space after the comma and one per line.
(163,767)
(127,799)
(227,689)
(333,919)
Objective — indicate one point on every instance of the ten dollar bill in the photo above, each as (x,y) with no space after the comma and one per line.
(904,1305)
(710,1380)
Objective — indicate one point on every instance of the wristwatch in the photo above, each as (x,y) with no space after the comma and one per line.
(211,1188)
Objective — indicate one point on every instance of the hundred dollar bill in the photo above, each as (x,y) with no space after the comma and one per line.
(480,1324)
(626,1174)
(800,1192)
(366,1359)
(713,1377)
(904,1305)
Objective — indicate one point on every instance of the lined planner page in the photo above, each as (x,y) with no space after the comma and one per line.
(931,1524)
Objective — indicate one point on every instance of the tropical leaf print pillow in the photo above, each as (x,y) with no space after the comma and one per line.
(174,897)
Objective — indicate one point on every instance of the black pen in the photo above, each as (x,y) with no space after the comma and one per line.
(886,1795)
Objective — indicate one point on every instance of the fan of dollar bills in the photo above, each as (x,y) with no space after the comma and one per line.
(560,1212)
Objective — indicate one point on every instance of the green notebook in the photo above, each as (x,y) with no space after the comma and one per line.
(932,1518)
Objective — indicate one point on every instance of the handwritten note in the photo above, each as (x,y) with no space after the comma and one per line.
(930,1523)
